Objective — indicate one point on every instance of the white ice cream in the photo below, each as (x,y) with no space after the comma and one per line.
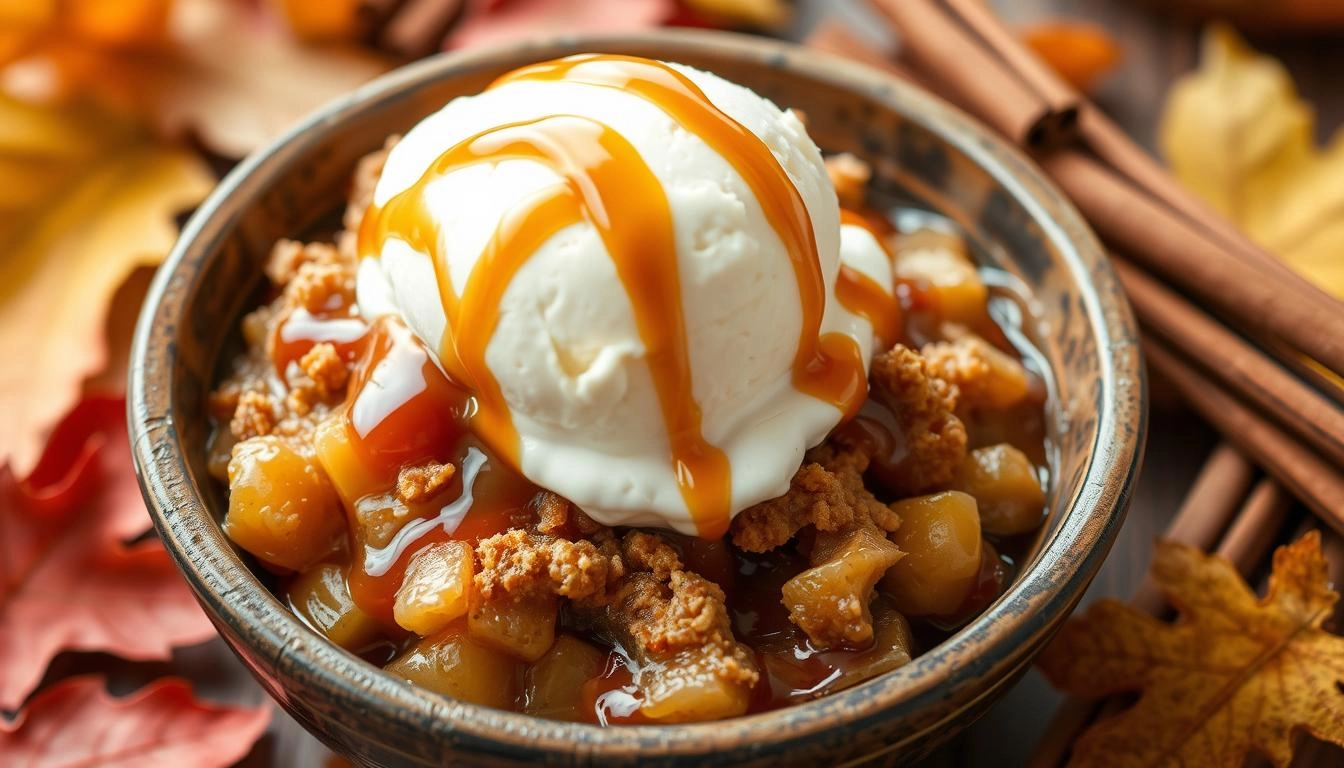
(566,352)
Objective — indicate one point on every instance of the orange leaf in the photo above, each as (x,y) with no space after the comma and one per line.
(323,19)
(68,578)
(26,26)
(75,723)
(227,72)
(1234,675)
(1080,53)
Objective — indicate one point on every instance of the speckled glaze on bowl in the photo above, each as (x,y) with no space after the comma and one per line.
(919,147)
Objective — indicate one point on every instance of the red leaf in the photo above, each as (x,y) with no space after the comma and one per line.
(68,580)
(76,723)
(509,20)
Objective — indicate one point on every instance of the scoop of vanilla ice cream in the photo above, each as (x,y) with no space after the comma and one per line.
(566,352)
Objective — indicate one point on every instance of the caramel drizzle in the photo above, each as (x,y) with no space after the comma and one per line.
(863,296)
(608,184)
(823,369)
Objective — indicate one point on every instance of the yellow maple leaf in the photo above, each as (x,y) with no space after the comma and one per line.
(85,198)
(1233,675)
(1236,133)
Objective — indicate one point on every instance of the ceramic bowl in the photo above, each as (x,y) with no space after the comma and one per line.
(920,148)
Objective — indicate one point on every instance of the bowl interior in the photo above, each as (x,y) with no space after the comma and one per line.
(921,151)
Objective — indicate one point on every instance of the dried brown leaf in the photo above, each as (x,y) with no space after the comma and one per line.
(1233,675)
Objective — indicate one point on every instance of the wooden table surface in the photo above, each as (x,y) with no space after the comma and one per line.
(1157,49)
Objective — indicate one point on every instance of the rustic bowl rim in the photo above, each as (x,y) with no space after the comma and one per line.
(1035,604)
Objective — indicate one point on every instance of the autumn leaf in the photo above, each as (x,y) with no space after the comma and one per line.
(1236,133)
(1233,675)
(516,19)
(1080,53)
(323,19)
(68,578)
(76,723)
(27,27)
(85,198)
(231,74)
(237,79)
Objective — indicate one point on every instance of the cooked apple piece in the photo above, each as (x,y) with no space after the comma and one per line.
(524,627)
(282,509)
(321,596)
(938,261)
(688,688)
(1006,488)
(339,456)
(456,665)
(829,601)
(553,685)
(377,519)
(892,647)
(940,535)
(436,588)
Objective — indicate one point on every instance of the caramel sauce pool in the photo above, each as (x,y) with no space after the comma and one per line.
(608,185)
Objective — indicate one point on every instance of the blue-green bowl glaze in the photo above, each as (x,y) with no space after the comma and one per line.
(917,145)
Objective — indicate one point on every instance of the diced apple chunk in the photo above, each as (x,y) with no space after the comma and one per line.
(554,683)
(938,261)
(829,601)
(454,664)
(1006,488)
(892,647)
(436,588)
(321,597)
(338,454)
(940,535)
(282,509)
(686,688)
(523,627)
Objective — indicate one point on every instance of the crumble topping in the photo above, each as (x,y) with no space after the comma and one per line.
(924,404)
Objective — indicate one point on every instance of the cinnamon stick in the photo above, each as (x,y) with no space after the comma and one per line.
(948,57)
(1309,478)
(1243,369)
(1061,98)
(1141,209)
(1256,526)
(1167,245)
(1218,490)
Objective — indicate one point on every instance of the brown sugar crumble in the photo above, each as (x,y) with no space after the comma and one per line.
(827,492)
(924,404)
(521,564)
(421,482)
